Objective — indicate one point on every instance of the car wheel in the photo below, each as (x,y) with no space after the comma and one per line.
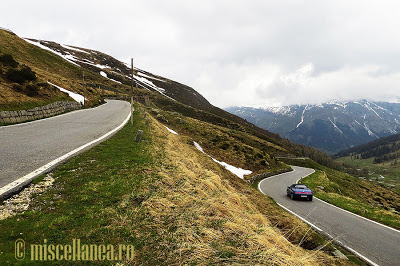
(310,198)
(292,196)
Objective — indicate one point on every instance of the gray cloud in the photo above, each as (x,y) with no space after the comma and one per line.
(252,52)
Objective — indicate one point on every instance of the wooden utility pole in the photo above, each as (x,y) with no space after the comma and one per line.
(132,93)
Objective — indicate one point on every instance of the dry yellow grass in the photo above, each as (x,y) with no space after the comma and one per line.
(241,149)
(207,215)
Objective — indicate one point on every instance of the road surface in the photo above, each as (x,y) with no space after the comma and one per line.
(29,146)
(376,243)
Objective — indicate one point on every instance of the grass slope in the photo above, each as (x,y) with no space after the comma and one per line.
(173,203)
(48,67)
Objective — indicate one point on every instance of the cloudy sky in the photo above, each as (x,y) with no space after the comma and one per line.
(246,53)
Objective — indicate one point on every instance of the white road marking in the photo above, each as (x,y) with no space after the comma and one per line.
(361,256)
(319,229)
(301,218)
(359,216)
(29,177)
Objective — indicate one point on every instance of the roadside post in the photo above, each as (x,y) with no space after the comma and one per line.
(132,93)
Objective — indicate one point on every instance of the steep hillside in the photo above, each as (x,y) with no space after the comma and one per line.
(330,127)
(48,67)
(166,92)
(119,72)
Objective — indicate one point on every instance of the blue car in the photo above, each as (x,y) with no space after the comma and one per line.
(299,191)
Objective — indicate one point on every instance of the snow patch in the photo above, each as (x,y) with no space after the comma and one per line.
(367,128)
(380,107)
(372,109)
(234,170)
(115,80)
(335,126)
(170,130)
(151,85)
(302,117)
(358,123)
(198,147)
(73,48)
(77,97)
(67,57)
(90,63)
(147,76)
(368,107)
(369,131)
(104,74)
(342,104)
(283,110)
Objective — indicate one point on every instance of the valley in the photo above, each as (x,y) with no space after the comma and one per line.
(378,158)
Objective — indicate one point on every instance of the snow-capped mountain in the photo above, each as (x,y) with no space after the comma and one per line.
(331,126)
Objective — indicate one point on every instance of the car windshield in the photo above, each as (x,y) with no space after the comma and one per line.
(301,187)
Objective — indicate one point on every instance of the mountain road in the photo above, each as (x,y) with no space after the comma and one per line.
(29,147)
(377,244)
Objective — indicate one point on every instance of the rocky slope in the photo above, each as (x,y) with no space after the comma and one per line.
(330,127)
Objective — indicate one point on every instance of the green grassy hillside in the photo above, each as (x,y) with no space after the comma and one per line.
(48,67)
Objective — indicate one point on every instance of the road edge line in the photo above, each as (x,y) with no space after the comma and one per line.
(360,255)
(301,218)
(21,182)
(319,229)
(359,216)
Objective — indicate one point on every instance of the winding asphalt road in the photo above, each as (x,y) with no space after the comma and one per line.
(26,147)
(378,244)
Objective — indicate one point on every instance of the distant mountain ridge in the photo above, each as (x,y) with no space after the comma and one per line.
(330,127)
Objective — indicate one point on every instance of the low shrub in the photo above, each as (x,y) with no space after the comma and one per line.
(22,75)
(8,60)
(17,87)
(31,90)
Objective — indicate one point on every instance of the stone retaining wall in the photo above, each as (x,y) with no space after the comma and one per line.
(12,117)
